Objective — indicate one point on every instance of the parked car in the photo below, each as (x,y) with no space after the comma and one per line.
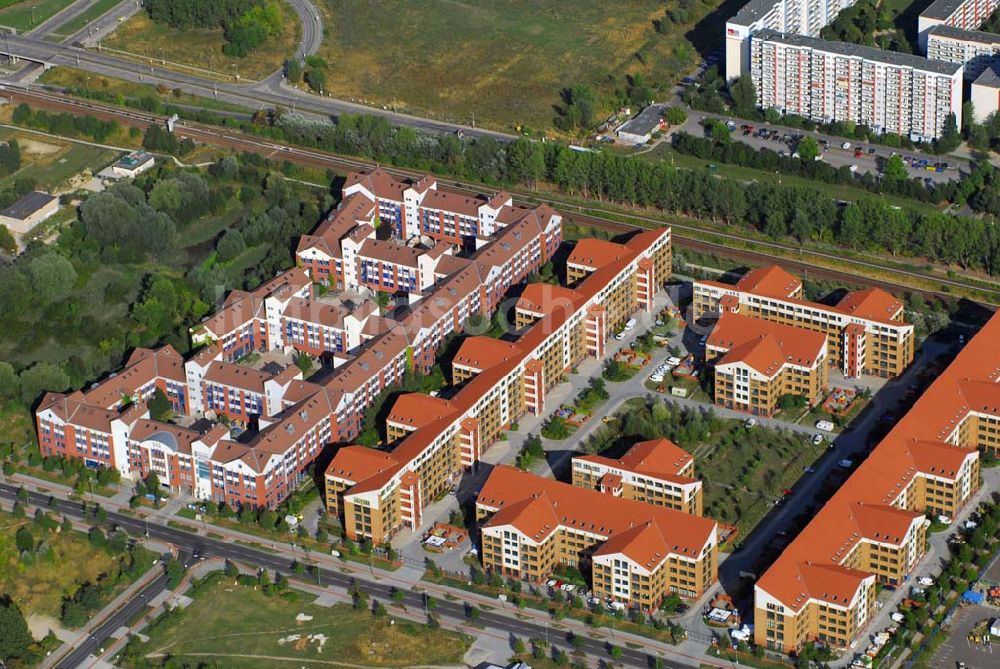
(824,425)
(673,361)
(854,168)
(846,463)
(750,422)
(620,336)
(817,439)
(845,146)
(551,582)
(656,377)
(629,324)
(810,470)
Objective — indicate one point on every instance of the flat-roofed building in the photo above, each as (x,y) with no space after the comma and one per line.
(865,330)
(974,49)
(964,14)
(757,362)
(656,472)
(827,82)
(638,553)
(822,586)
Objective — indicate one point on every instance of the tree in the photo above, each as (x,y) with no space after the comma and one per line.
(52,276)
(579,108)
(293,70)
(950,139)
(10,386)
(159,406)
(7,241)
(675,115)
(24,539)
(895,169)
(316,79)
(40,377)
(743,93)
(808,148)
(230,245)
(15,638)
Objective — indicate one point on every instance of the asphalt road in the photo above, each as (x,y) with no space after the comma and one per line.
(190,544)
(93,644)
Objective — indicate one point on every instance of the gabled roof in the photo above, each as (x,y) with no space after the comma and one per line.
(142,367)
(379,183)
(644,545)
(912,448)
(590,511)
(359,463)
(540,298)
(594,253)
(481,353)
(770,281)
(415,410)
(871,303)
(660,458)
(765,345)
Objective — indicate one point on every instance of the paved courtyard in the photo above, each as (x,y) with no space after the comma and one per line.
(958,648)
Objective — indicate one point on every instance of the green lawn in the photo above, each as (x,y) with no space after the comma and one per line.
(836,191)
(91,13)
(505,61)
(744,470)
(25,15)
(238,626)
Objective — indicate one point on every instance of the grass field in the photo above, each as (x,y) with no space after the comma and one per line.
(27,14)
(40,587)
(241,627)
(202,49)
(53,162)
(503,60)
(70,76)
(92,12)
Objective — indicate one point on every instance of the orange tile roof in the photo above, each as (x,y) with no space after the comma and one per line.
(142,367)
(414,410)
(482,353)
(358,463)
(594,253)
(591,511)
(770,281)
(793,344)
(540,298)
(660,458)
(914,446)
(645,545)
(871,303)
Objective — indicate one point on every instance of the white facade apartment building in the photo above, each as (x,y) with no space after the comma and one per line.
(975,49)
(835,81)
(964,14)
(801,17)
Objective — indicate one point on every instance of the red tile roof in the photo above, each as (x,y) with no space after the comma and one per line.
(415,410)
(594,253)
(540,505)
(660,458)
(870,303)
(913,447)
(770,281)
(482,353)
(540,298)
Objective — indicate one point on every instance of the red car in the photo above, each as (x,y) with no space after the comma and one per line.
(858,153)
(786,492)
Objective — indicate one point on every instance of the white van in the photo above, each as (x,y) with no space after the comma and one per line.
(629,324)
(824,425)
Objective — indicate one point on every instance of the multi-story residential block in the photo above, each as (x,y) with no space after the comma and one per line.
(822,586)
(756,362)
(319,326)
(886,91)
(974,49)
(250,322)
(801,17)
(414,208)
(637,553)
(438,440)
(985,93)
(865,330)
(296,419)
(964,14)
(656,472)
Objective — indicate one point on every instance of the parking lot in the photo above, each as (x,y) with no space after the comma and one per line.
(958,649)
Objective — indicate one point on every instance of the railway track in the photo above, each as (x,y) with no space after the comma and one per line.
(683,234)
